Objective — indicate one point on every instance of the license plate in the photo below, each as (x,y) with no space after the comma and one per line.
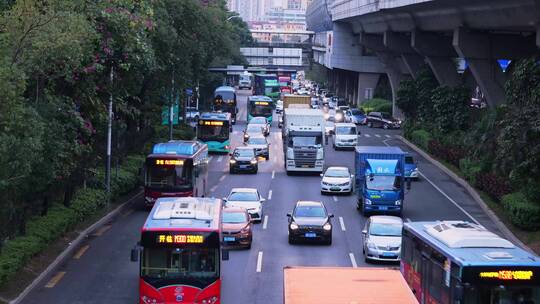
(388,254)
(334,189)
(229,239)
(243,166)
(305,166)
(383,208)
(310,235)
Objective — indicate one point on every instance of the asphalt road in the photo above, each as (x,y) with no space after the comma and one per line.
(101,271)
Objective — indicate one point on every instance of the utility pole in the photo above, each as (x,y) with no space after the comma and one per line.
(109,136)
(171,109)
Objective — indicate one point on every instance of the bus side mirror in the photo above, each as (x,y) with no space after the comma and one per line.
(408,180)
(135,254)
(224,254)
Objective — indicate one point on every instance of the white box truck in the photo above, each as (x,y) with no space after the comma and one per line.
(303,140)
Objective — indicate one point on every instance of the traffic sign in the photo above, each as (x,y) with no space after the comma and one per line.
(165,115)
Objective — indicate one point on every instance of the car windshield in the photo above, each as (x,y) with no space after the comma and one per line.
(385,229)
(253,128)
(309,211)
(409,160)
(244,196)
(346,130)
(336,173)
(356,112)
(256,141)
(386,116)
(244,153)
(258,121)
(234,217)
(383,183)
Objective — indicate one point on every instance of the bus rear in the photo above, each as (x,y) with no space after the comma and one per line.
(179,252)
(214,129)
(260,106)
(225,101)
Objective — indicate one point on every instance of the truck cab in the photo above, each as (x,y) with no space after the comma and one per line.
(380,179)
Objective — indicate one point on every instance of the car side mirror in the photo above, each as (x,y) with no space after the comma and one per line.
(364,232)
(408,183)
(135,252)
(224,199)
(263,200)
(289,215)
(321,175)
(331,215)
(224,254)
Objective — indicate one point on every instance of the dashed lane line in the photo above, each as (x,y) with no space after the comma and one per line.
(220,158)
(273,173)
(259,261)
(335,198)
(127,213)
(269,194)
(55,279)
(387,136)
(342,224)
(81,251)
(377,135)
(213,188)
(265,222)
(222,178)
(353,260)
(102,230)
(367,135)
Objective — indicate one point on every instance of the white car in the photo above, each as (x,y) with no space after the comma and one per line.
(260,145)
(337,180)
(248,198)
(345,135)
(382,238)
(279,107)
(262,122)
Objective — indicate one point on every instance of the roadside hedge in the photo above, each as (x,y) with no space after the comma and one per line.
(421,138)
(522,212)
(41,231)
(377,105)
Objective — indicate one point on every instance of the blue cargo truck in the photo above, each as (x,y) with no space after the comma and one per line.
(380,179)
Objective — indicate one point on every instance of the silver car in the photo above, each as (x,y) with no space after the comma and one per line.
(248,198)
(260,145)
(382,238)
(262,122)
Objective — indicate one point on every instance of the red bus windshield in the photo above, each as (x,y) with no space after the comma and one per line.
(169,177)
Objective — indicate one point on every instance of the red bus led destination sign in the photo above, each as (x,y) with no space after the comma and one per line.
(210,123)
(168,162)
(179,239)
(507,275)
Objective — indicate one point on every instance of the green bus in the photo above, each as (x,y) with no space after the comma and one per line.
(267,85)
(260,106)
(214,129)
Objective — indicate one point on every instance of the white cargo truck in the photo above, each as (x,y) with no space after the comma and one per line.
(303,140)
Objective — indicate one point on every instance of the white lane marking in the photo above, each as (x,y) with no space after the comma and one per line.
(259,261)
(210,158)
(265,221)
(377,135)
(335,198)
(273,173)
(367,135)
(342,224)
(450,199)
(213,188)
(353,260)
(220,158)
(387,136)
(222,178)
(408,220)
(269,194)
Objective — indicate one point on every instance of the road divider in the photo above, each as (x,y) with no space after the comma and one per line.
(259,261)
(353,260)
(265,221)
(342,224)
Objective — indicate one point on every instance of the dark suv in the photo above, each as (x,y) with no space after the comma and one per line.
(243,159)
(310,221)
(382,120)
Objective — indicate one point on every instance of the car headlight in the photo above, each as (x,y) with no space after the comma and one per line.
(246,136)
(327,227)
(232,161)
(293,226)
(371,245)
(253,161)
(367,201)
(398,203)
(339,116)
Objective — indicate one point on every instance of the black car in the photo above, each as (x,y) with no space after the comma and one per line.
(382,120)
(310,221)
(243,159)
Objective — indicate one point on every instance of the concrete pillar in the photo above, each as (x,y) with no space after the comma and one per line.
(394,76)
(367,82)
(475,48)
(414,63)
(400,43)
(439,55)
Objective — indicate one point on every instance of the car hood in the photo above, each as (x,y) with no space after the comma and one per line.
(233,226)
(335,180)
(243,204)
(243,158)
(359,116)
(310,221)
(258,146)
(346,136)
(392,241)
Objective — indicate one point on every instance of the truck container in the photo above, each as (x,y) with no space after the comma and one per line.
(380,179)
(303,139)
(345,285)
(289,99)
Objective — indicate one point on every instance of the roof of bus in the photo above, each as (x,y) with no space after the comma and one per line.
(225,88)
(178,213)
(215,116)
(469,244)
(178,147)
(259,98)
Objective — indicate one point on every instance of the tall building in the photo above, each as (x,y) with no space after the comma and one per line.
(294,4)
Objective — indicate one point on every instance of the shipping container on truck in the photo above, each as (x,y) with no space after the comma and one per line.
(345,285)
(380,179)
(289,99)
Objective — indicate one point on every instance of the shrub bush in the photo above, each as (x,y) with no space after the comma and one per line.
(494,185)
(421,138)
(377,105)
(449,153)
(470,169)
(87,201)
(522,212)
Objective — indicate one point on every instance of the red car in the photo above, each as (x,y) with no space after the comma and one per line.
(237,227)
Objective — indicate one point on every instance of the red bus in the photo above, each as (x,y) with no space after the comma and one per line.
(451,262)
(285,84)
(179,252)
(175,169)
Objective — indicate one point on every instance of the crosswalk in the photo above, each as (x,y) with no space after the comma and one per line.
(367,135)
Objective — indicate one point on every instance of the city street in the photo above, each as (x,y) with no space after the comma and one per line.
(101,271)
